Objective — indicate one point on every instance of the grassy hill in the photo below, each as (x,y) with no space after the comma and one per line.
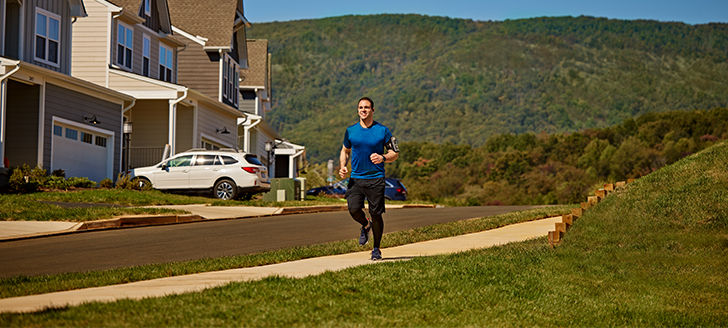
(440,80)
(655,254)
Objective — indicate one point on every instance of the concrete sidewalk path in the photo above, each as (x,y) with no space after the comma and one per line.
(17,229)
(294,269)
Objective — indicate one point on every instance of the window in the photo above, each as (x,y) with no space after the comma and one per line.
(47,37)
(230,76)
(228,160)
(87,137)
(205,160)
(58,130)
(165,63)
(71,134)
(101,141)
(180,161)
(147,7)
(209,145)
(146,50)
(124,45)
(253,159)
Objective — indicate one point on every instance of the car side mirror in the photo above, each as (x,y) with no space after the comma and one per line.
(164,167)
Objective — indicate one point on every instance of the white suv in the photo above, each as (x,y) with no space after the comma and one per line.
(228,173)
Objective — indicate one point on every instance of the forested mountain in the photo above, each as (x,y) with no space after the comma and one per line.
(441,80)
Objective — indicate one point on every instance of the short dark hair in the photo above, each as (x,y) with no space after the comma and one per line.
(371,102)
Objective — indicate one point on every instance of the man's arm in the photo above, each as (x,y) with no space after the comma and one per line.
(343,161)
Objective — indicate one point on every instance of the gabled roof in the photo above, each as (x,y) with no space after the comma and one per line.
(134,6)
(212,20)
(256,75)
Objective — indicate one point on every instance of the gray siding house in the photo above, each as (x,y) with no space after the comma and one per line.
(47,117)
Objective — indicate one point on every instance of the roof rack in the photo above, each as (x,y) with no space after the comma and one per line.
(229,150)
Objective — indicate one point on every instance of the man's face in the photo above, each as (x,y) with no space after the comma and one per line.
(365,109)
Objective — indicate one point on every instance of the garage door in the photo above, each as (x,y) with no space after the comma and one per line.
(80,152)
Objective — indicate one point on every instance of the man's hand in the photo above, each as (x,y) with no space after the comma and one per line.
(376,158)
(343,171)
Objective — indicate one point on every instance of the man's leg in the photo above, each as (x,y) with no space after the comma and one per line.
(375,196)
(355,203)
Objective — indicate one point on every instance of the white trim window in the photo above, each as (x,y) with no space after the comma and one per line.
(47,37)
(124,45)
(230,76)
(148,7)
(146,55)
(166,63)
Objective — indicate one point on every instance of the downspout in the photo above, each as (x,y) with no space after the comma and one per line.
(3,98)
(290,163)
(172,133)
(246,148)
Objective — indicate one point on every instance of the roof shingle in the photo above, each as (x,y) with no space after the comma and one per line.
(256,75)
(213,20)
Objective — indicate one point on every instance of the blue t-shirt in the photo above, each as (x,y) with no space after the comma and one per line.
(363,142)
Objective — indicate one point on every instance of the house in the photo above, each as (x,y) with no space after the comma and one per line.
(283,158)
(213,33)
(49,118)
(132,46)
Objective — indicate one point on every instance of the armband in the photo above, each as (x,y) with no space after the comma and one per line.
(392,145)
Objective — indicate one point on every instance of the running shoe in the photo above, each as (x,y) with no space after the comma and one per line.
(364,236)
(376,254)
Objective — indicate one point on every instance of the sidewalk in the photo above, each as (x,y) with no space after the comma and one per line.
(294,269)
(12,230)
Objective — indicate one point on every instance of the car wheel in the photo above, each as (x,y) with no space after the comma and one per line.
(224,189)
(142,183)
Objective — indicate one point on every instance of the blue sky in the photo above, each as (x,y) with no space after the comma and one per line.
(691,11)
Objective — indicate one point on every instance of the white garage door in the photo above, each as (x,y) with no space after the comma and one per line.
(81,152)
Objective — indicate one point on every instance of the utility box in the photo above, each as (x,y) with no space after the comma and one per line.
(282,189)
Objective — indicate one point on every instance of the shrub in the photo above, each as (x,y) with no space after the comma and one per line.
(59,173)
(56,182)
(106,183)
(25,179)
(124,181)
(81,182)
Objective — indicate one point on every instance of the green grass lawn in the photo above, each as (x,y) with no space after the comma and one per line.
(17,286)
(42,206)
(655,254)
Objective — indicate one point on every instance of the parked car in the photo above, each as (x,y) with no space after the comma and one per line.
(227,174)
(393,190)
(338,189)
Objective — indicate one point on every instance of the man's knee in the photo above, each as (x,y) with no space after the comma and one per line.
(355,210)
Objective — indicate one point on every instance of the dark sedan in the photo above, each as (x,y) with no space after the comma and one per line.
(393,190)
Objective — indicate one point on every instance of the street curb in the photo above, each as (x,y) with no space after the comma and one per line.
(135,221)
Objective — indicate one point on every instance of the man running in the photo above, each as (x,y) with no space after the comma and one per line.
(365,142)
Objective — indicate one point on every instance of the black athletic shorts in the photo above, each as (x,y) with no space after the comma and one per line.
(371,189)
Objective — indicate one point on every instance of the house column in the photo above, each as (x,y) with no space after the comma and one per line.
(3,101)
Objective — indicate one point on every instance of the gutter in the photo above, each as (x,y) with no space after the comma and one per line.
(126,109)
(6,75)
(247,133)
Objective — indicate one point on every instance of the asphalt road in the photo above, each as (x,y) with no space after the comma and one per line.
(100,250)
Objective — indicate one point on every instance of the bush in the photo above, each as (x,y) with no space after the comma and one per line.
(124,181)
(84,182)
(25,180)
(106,183)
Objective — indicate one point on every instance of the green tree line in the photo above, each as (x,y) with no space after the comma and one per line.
(560,168)
(442,80)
